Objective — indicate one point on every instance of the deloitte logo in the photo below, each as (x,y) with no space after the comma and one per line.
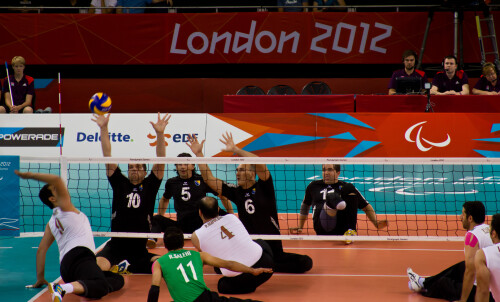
(95,137)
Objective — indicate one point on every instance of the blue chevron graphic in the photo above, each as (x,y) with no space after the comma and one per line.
(487,153)
(345,135)
(495,128)
(343,117)
(493,140)
(9,130)
(361,147)
(270,140)
(42,83)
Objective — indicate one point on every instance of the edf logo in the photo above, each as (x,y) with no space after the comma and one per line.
(177,138)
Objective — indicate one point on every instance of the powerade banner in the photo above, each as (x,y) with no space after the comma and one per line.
(9,199)
(275,134)
(237,38)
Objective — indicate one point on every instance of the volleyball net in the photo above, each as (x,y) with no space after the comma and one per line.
(421,198)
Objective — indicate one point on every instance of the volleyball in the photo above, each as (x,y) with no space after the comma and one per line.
(100,103)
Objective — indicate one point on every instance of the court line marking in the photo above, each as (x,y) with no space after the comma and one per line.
(358,248)
(43,290)
(369,249)
(35,297)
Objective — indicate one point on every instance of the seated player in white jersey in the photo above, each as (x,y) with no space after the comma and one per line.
(134,199)
(225,237)
(182,271)
(255,201)
(487,262)
(456,283)
(71,229)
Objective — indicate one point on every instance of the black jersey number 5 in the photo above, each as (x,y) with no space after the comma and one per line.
(134,200)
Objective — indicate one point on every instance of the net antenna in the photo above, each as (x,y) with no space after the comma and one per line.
(8,81)
(421,198)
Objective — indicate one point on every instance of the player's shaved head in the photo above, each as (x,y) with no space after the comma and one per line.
(209,207)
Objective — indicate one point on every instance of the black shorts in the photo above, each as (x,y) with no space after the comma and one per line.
(132,250)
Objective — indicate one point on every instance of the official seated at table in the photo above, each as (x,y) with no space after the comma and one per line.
(488,83)
(408,80)
(450,81)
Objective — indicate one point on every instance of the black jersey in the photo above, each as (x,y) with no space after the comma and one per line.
(347,218)
(256,206)
(133,205)
(187,194)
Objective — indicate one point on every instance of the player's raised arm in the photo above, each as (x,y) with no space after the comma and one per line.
(159,127)
(102,121)
(197,148)
(62,199)
(260,169)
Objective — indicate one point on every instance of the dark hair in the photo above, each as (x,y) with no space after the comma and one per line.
(185,154)
(209,207)
(476,210)
(45,194)
(173,238)
(495,223)
(335,167)
(408,53)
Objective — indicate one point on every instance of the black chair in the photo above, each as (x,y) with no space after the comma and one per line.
(316,87)
(250,90)
(281,90)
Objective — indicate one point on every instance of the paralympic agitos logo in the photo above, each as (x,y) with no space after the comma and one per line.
(31,137)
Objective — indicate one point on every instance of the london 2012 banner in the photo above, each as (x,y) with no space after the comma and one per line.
(9,199)
(234,38)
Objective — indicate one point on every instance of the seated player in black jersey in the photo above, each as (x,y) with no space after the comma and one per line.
(132,206)
(335,205)
(187,188)
(255,201)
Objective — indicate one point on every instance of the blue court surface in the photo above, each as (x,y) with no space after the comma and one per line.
(391,189)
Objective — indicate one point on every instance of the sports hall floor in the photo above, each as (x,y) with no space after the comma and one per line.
(362,271)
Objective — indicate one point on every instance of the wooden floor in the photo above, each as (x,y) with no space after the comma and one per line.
(363,271)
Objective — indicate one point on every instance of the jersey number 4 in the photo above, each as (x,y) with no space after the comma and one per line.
(183,271)
(225,233)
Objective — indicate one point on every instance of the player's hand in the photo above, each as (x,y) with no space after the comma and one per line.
(38,284)
(382,224)
(227,139)
(296,230)
(23,175)
(258,271)
(161,123)
(195,146)
(101,120)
